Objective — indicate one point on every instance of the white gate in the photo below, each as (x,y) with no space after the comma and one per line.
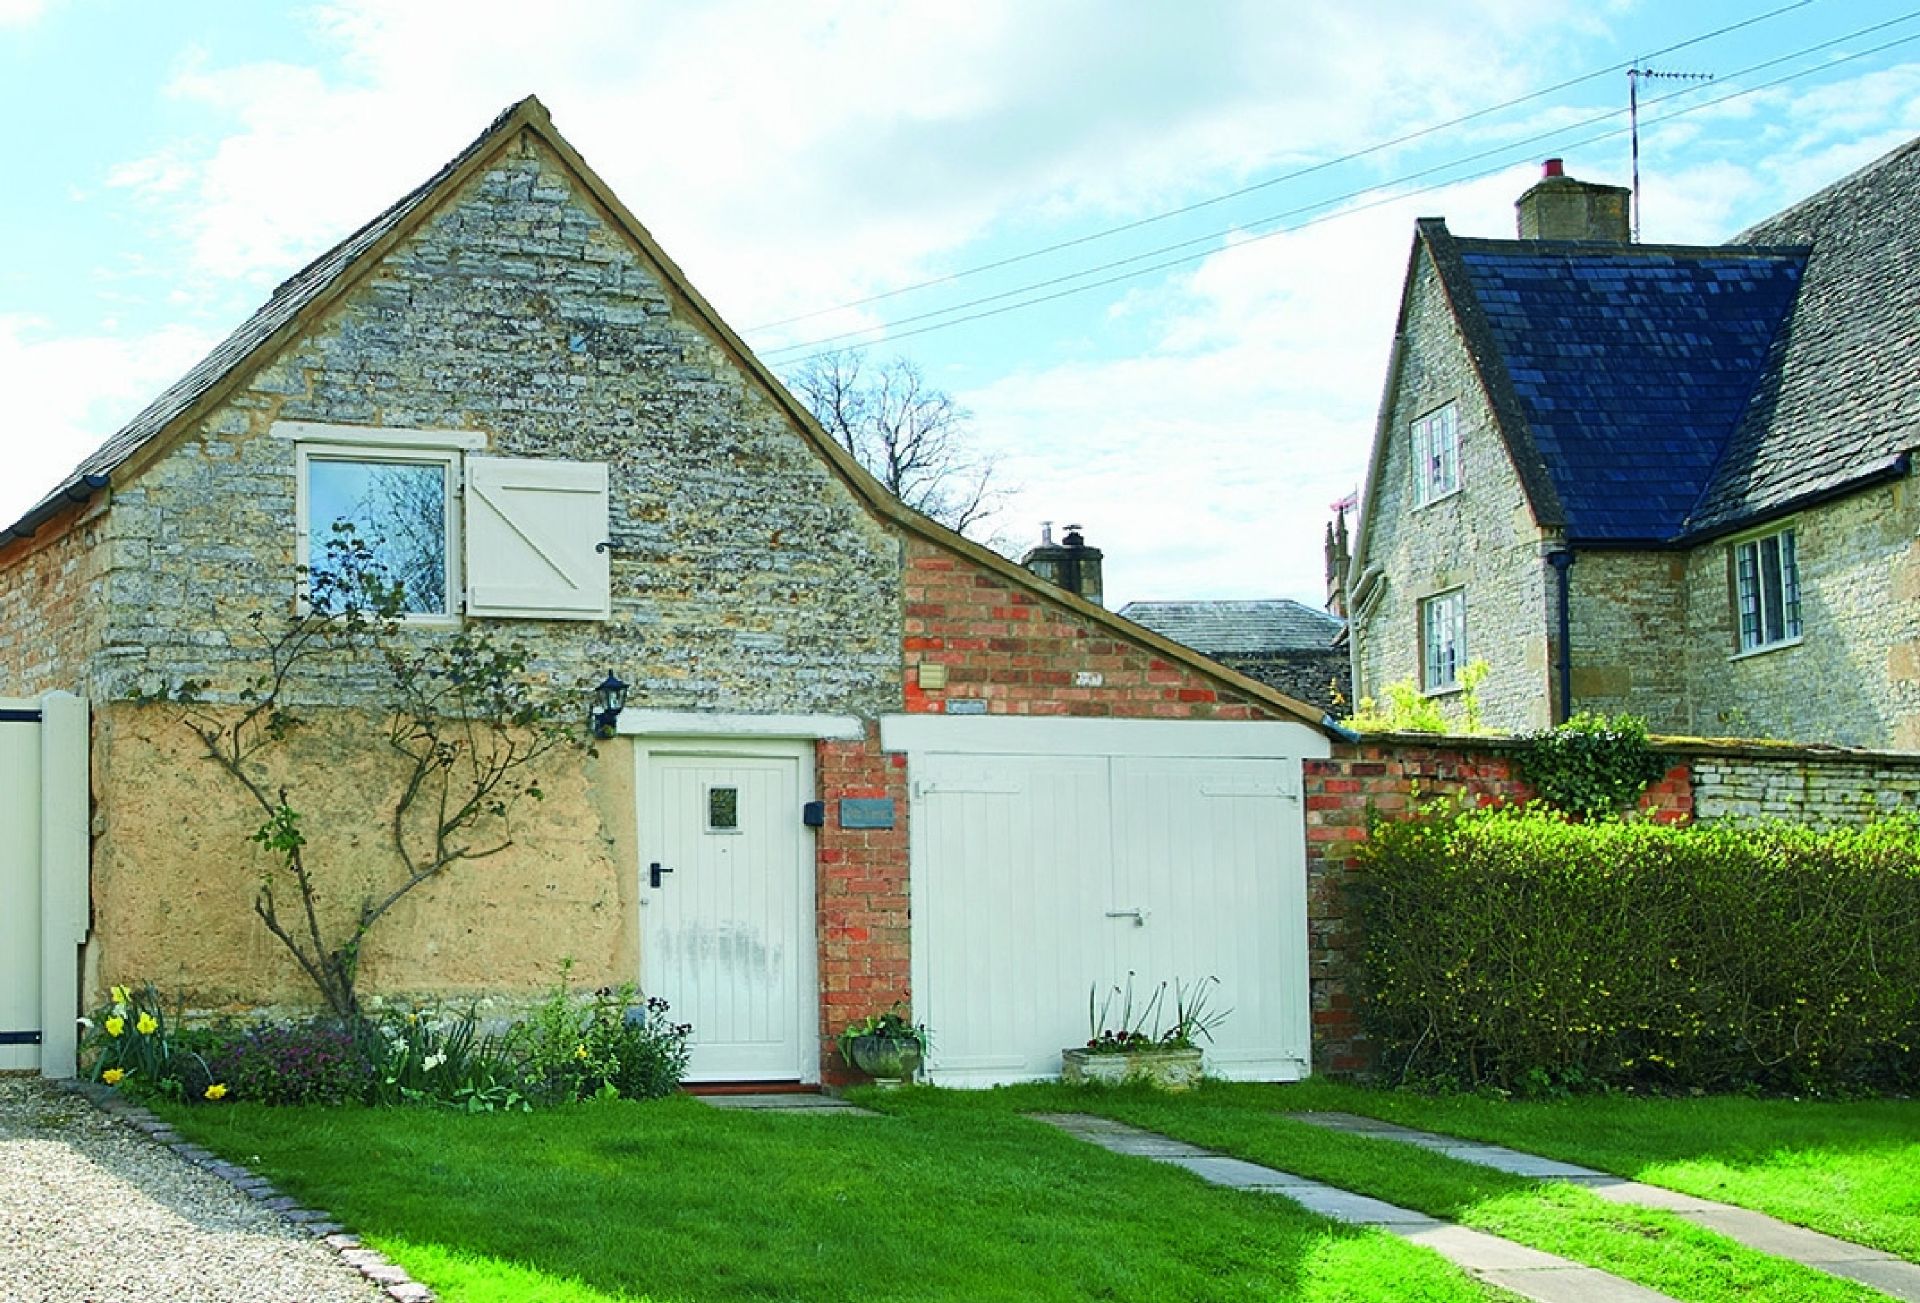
(1053,858)
(43,880)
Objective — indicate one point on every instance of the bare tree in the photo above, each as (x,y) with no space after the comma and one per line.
(911,436)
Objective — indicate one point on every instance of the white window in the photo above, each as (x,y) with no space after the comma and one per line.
(1443,640)
(1766,577)
(483,536)
(1436,456)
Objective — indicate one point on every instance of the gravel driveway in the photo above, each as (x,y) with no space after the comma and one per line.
(92,1211)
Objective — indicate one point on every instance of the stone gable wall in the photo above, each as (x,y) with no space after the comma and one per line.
(1483,537)
(52,604)
(1854,678)
(746,575)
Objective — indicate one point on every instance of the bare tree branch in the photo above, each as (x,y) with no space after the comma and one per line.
(912,437)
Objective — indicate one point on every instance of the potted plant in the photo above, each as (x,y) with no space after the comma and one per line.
(1122,1046)
(885,1046)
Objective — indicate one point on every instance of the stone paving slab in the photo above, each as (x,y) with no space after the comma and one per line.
(1514,1267)
(1883,1271)
(786,1102)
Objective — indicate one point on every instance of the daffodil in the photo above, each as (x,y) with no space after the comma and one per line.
(120,995)
(148,1024)
(116,1025)
(579,1051)
(113,1076)
(217,1091)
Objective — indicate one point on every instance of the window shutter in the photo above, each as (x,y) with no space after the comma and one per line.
(533,527)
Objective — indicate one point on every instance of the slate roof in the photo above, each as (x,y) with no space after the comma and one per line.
(1632,366)
(1657,395)
(1229,627)
(286,302)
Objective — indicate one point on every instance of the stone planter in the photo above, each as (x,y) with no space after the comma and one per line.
(1171,1070)
(888,1061)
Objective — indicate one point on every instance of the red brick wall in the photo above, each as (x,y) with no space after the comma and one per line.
(1025,655)
(52,614)
(1021,654)
(1386,778)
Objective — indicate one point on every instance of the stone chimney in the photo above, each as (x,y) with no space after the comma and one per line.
(1070,563)
(1339,555)
(1558,207)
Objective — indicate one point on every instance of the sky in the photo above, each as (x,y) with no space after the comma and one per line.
(1155,250)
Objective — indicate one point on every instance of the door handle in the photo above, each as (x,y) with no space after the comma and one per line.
(654,871)
(1139,916)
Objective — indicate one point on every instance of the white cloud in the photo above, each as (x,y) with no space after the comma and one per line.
(18,13)
(65,395)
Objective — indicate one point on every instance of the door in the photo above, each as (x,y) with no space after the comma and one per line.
(726,894)
(1040,881)
(19,885)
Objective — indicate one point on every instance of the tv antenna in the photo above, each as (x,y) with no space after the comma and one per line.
(1635,76)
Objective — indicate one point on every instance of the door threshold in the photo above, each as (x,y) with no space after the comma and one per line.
(750,1088)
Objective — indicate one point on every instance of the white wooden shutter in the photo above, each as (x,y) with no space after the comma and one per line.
(532,530)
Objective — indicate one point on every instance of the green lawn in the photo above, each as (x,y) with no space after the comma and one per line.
(676,1201)
(1656,1249)
(955,1195)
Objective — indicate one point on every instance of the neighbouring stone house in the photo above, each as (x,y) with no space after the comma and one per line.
(1674,481)
(863,760)
(1285,644)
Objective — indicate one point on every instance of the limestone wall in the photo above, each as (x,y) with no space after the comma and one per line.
(1628,617)
(746,575)
(1854,677)
(1483,537)
(1804,786)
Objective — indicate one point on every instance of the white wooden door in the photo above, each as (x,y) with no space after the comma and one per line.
(727,934)
(20,1006)
(1041,880)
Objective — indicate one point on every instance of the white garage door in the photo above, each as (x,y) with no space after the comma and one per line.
(1087,850)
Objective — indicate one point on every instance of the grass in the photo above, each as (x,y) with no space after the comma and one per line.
(955,1195)
(675,1201)
(1653,1248)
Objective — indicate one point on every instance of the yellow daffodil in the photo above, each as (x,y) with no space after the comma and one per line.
(113,1076)
(579,1051)
(120,995)
(216,1091)
(116,1025)
(148,1024)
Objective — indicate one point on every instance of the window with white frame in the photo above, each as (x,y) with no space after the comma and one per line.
(1766,578)
(1443,640)
(1436,455)
(464,534)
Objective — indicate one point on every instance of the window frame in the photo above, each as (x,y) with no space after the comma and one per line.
(1427,490)
(1790,597)
(397,453)
(1456,596)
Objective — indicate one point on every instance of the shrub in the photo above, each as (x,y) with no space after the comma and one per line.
(1519,949)
(294,1063)
(607,1045)
(432,1058)
(1592,765)
(1409,710)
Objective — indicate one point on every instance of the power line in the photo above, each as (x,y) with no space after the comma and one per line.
(1295,175)
(1345,212)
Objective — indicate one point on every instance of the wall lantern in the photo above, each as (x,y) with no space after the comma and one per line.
(609,699)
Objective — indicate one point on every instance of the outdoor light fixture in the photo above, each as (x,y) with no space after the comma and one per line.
(609,699)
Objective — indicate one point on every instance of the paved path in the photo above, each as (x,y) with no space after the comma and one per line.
(1883,1271)
(92,1210)
(1515,1267)
(791,1101)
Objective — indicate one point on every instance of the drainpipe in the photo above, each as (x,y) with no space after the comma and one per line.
(1561,559)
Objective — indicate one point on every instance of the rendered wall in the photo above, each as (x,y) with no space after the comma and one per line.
(1483,537)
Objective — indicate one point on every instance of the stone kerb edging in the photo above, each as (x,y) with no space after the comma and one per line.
(392,1280)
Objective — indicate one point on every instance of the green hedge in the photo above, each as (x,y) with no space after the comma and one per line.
(1514,948)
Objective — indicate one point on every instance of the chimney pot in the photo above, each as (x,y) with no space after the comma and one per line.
(1553,167)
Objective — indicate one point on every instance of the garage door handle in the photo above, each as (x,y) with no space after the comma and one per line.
(654,871)
(1139,916)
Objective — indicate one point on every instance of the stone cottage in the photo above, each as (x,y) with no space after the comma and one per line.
(1674,481)
(862,760)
